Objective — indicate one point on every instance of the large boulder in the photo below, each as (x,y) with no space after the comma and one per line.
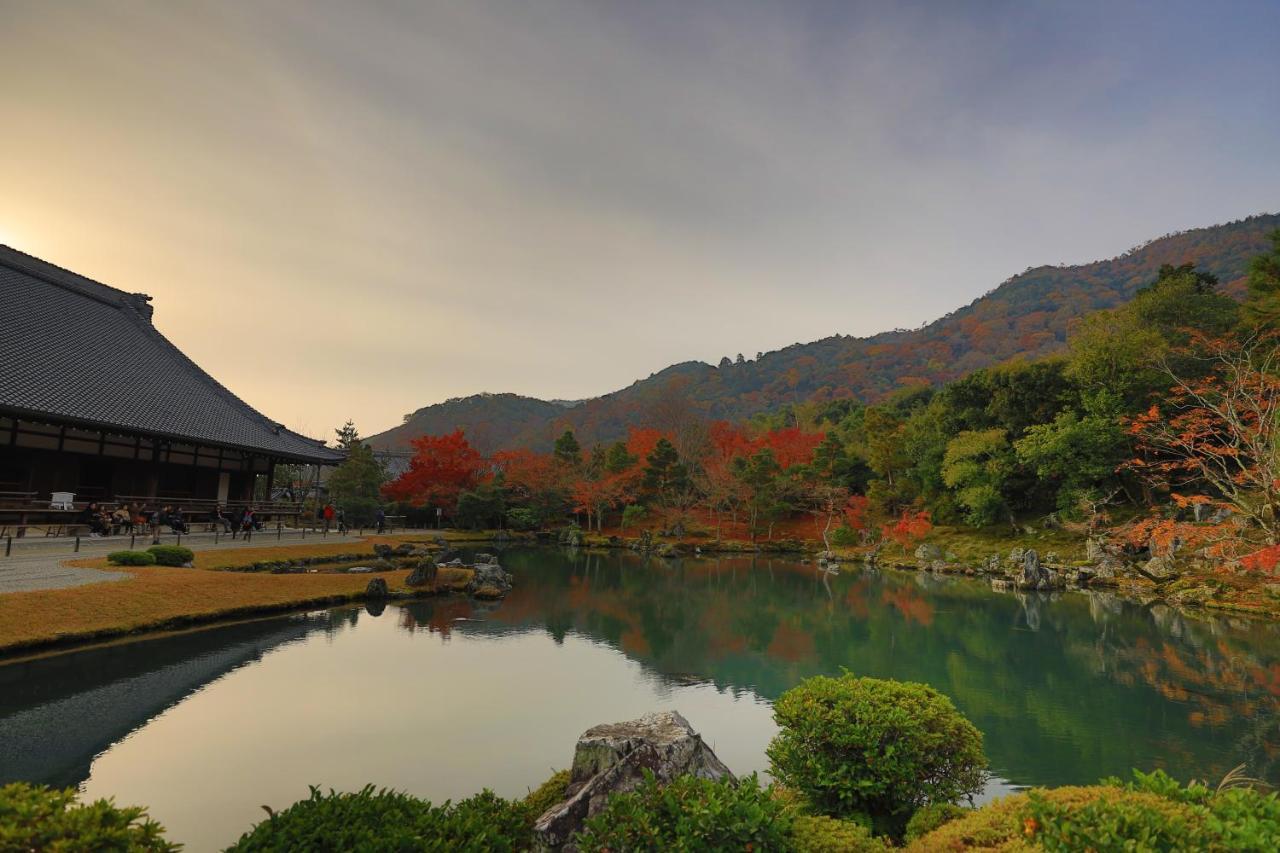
(377,588)
(489,581)
(928,552)
(383,551)
(423,574)
(612,759)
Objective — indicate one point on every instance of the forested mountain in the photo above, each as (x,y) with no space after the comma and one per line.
(1027,316)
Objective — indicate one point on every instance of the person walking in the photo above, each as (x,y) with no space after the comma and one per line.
(342,522)
(328,517)
(381,519)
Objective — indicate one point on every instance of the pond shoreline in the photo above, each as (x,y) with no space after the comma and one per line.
(1138,591)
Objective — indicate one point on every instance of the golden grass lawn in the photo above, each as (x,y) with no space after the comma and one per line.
(159,597)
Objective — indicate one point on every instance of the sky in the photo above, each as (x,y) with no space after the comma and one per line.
(352,210)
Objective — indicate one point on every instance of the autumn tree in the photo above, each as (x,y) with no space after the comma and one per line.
(1220,430)
(442,467)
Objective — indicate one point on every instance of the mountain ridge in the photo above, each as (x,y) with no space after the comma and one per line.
(1028,315)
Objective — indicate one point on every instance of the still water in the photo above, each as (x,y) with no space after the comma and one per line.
(442,698)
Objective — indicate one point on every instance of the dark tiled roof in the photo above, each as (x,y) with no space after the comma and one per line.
(76,350)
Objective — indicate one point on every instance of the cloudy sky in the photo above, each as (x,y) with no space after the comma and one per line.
(356,209)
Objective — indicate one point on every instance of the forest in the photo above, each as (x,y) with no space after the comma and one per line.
(1160,413)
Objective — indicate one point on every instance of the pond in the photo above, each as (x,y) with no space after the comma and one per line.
(444,697)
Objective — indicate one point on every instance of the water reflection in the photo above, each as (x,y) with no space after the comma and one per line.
(442,697)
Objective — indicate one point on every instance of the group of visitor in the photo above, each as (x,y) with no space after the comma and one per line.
(126,518)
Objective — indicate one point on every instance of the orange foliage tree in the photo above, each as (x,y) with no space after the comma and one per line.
(911,527)
(1220,430)
(443,466)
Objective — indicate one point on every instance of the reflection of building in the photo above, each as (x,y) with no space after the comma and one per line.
(58,713)
(95,402)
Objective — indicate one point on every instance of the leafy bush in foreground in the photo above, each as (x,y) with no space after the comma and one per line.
(35,817)
(131,558)
(1153,812)
(690,814)
(883,748)
(930,817)
(171,555)
(383,820)
(822,834)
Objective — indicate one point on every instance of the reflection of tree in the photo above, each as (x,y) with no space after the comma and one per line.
(1096,687)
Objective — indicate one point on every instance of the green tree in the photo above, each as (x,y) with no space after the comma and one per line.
(1262,307)
(760,473)
(617,459)
(567,450)
(355,486)
(1126,351)
(482,507)
(665,477)
(348,436)
(1076,456)
(977,465)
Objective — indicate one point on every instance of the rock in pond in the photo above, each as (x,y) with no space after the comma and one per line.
(611,759)
(423,574)
(377,588)
(491,578)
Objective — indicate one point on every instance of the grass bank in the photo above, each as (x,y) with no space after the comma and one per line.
(160,598)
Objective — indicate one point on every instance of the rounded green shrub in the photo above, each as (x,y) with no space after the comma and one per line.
(384,820)
(930,817)
(883,748)
(131,558)
(171,555)
(35,817)
(823,834)
(690,814)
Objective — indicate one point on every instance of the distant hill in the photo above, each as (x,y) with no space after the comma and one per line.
(491,421)
(1027,316)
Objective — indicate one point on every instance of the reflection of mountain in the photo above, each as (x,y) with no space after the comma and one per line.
(1066,688)
(58,713)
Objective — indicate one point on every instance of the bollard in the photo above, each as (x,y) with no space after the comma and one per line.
(132,539)
(8,546)
(77,543)
(215,536)
(179,539)
(279,530)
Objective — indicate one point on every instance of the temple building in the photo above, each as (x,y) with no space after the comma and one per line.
(97,405)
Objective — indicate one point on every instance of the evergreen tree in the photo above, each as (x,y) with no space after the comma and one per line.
(1262,307)
(348,436)
(355,487)
(567,450)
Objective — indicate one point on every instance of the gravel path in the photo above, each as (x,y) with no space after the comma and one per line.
(40,569)
(22,574)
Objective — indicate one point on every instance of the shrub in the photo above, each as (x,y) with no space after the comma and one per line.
(522,518)
(631,515)
(131,558)
(171,555)
(1152,813)
(822,834)
(930,817)
(690,814)
(548,794)
(378,820)
(845,536)
(884,748)
(35,817)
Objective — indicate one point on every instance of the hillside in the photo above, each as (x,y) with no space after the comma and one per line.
(1027,316)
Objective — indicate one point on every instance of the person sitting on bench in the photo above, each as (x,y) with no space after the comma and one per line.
(122,520)
(218,519)
(176,522)
(92,515)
